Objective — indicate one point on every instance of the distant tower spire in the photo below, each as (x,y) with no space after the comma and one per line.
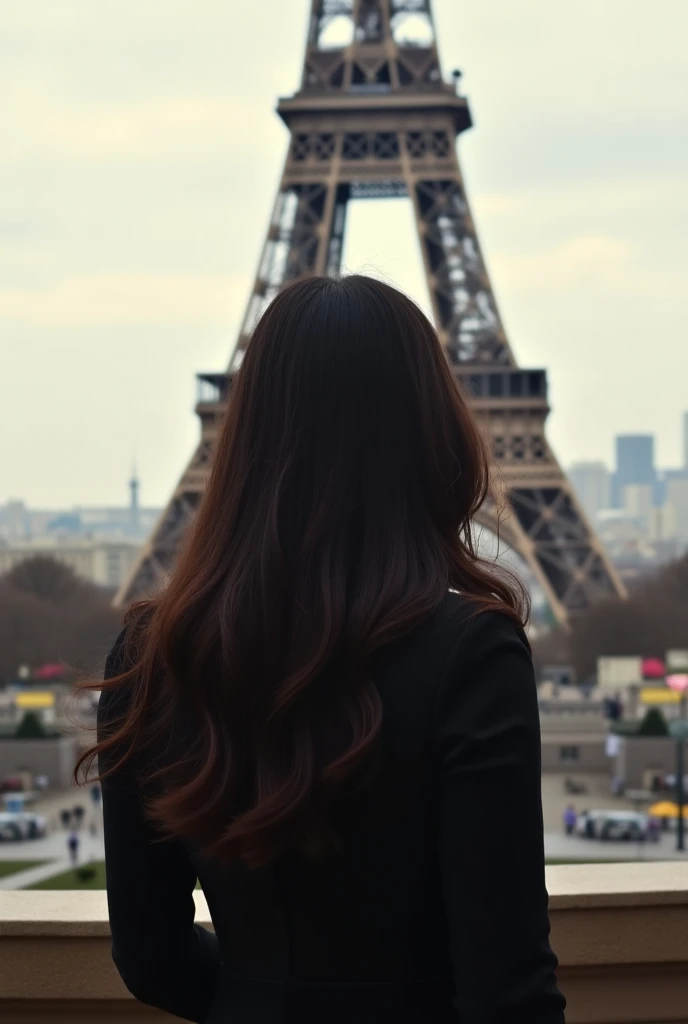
(134,501)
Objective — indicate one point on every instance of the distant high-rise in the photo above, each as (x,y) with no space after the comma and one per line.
(134,502)
(15,524)
(592,483)
(635,464)
(677,498)
(638,500)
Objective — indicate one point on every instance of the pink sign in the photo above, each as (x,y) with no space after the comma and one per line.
(678,682)
(52,671)
(653,668)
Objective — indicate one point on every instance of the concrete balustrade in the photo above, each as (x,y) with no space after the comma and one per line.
(621,932)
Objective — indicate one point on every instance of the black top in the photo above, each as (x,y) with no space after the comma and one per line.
(433,911)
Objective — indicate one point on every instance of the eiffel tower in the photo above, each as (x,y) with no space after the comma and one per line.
(375,118)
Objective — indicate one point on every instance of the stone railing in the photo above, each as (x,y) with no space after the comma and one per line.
(621,933)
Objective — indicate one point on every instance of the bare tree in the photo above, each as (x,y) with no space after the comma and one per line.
(653,620)
(48,579)
(48,614)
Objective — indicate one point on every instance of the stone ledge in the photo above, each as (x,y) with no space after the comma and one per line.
(620,930)
(571,887)
(635,884)
(64,914)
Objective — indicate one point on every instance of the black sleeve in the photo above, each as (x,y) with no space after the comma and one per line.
(164,959)
(491,830)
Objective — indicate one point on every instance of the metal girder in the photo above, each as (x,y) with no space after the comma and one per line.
(388,44)
(395,135)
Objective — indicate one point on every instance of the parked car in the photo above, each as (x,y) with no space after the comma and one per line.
(611,825)
(586,825)
(629,825)
(11,784)
(21,826)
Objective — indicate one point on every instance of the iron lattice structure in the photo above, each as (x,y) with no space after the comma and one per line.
(375,118)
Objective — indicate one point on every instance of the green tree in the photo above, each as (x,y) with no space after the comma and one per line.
(30,727)
(653,724)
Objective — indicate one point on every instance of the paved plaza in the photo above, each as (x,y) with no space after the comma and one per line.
(53,847)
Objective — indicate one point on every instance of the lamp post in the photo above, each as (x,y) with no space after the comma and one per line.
(679,731)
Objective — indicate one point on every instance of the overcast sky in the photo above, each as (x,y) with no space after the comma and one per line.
(139,156)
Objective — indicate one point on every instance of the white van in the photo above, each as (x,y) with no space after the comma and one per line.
(20,826)
(630,825)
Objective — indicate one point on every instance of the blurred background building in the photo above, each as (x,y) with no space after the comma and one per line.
(99,544)
(640,510)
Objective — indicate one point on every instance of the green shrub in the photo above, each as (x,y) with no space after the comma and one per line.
(626,727)
(30,728)
(653,724)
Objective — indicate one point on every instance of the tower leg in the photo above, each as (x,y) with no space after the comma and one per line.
(305,235)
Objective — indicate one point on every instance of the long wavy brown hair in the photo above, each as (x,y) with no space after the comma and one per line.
(338,514)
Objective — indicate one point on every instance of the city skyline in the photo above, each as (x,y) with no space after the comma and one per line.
(126,260)
(609,467)
(612,464)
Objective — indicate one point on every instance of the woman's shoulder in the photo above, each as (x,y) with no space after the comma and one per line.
(464,620)
(124,651)
(122,657)
(116,661)
(115,696)
(490,668)
(459,633)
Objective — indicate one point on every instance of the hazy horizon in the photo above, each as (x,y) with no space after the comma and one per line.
(141,155)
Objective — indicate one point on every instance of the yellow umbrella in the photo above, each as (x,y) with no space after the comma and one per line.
(667,809)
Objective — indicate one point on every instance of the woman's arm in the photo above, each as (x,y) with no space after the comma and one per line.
(491,831)
(164,959)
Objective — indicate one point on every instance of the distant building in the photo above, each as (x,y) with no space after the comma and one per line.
(573,731)
(638,500)
(663,524)
(677,499)
(592,483)
(104,562)
(627,541)
(672,522)
(15,521)
(127,522)
(635,464)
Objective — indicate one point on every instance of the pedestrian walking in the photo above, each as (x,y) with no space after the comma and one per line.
(73,846)
(589,824)
(79,813)
(570,819)
(65,817)
(95,794)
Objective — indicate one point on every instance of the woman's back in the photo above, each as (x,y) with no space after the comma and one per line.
(433,900)
(311,720)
